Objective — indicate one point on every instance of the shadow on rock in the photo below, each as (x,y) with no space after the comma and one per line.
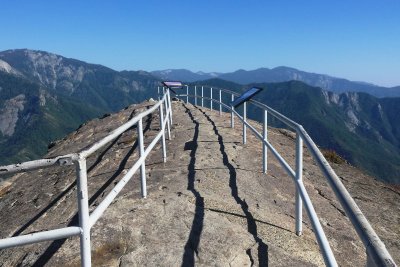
(192,244)
(251,222)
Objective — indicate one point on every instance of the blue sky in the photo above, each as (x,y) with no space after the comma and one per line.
(357,40)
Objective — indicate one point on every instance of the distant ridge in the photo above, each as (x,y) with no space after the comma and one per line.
(283,74)
(184,75)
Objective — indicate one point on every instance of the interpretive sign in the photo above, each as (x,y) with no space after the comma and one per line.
(246,96)
(173,84)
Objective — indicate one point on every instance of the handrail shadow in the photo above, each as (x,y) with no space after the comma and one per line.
(251,222)
(192,244)
(243,216)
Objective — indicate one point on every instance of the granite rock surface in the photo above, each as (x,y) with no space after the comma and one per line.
(210,204)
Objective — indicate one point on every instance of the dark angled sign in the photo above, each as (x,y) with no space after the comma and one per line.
(172,84)
(246,96)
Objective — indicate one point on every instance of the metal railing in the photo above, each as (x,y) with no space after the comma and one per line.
(377,254)
(87,220)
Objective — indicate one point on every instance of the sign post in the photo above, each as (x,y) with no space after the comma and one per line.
(242,99)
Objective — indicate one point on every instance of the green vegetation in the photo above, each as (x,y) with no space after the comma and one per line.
(73,92)
(332,156)
(38,125)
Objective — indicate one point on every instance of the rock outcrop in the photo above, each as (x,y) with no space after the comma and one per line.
(208,205)
(9,114)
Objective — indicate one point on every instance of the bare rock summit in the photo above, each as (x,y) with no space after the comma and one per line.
(208,205)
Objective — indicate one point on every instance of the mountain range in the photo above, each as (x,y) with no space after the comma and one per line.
(44,96)
(282,74)
(184,75)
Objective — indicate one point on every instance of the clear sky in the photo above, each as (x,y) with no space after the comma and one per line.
(353,39)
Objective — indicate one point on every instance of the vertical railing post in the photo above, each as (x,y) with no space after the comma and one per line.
(166,104)
(211,102)
(164,147)
(265,137)
(220,106)
(195,95)
(299,178)
(187,94)
(232,115)
(168,121)
(83,211)
(169,105)
(167,108)
(244,124)
(202,95)
(141,154)
(158,93)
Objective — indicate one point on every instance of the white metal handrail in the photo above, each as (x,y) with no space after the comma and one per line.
(86,219)
(377,254)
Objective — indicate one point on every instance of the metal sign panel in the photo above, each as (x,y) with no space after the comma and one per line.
(173,84)
(246,96)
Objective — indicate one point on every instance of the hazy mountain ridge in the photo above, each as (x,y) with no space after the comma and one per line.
(44,96)
(283,74)
(184,75)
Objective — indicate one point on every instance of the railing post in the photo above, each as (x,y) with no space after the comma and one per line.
(187,94)
(169,105)
(158,93)
(141,154)
(299,178)
(220,107)
(83,211)
(202,95)
(232,115)
(164,147)
(166,104)
(265,137)
(244,124)
(211,102)
(168,122)
(167,108)
(195,95)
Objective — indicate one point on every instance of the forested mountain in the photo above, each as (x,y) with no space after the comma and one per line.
(31,117)
(44,96)
(91,83)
